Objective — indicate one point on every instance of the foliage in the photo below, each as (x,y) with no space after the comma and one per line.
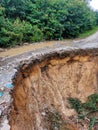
(89,32)
(96,14)
(56,121)
(92,122)
(37,34)
(36,20)
(11,33)
(86,109)
(92,102)
(76,104)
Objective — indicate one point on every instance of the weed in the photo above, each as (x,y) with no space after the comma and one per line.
(76,104)
(86,109)
(55,119)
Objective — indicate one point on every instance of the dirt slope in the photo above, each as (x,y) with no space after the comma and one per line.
(47,81)
(78,64)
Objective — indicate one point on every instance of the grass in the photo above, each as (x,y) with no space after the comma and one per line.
(89,32)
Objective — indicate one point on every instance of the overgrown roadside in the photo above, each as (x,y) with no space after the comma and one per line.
(31,47)
(89,32)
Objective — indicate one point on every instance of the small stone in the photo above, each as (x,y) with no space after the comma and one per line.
(2,88)
(43,113)
(56,128)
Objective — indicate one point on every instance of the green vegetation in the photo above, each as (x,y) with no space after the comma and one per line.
(36,20)
(87,109)
(55,121)
(89,32)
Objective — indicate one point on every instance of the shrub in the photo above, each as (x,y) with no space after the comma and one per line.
(37,34)
(86,109)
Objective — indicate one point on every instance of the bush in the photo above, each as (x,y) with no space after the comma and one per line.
(35,20)
(37,34)
(14,33)
(11,33)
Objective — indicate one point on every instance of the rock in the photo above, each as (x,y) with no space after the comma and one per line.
(2,88)
(43,113)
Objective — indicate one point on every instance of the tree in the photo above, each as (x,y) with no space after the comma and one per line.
(36,20)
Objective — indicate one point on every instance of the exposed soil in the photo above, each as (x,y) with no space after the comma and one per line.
(29,47)
(47,76)
(47,82)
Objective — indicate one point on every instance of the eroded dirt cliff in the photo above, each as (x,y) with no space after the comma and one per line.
(46,82)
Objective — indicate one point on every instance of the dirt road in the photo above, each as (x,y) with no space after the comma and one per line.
(30,47)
